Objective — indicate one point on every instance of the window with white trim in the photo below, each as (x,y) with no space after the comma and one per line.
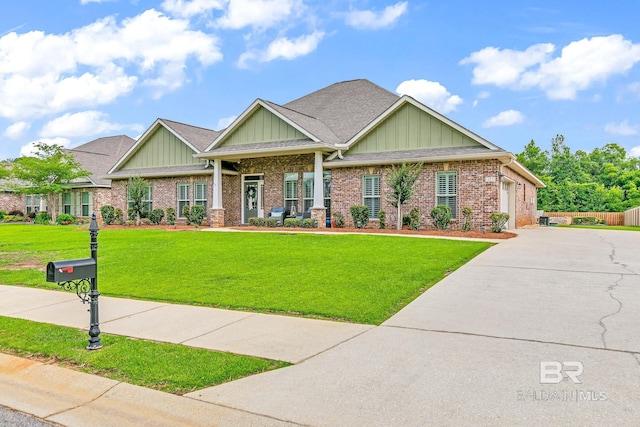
(200,194)
(33,203)
(371,194)
(84,203)
(290,190)
(183,198)
(447,191)
(307,191)
(66,203)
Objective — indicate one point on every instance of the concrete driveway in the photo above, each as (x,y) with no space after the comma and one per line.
(542,329)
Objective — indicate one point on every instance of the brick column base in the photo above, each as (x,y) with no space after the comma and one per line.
(320,214)
(217,218)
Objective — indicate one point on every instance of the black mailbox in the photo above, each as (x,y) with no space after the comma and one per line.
(72,269)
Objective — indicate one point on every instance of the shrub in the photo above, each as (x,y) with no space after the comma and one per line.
(186,213)
(382,220)
(119,216)
(31,215)
(272,222)
(587,220)
(310,223)
(406,220)
(498,220)
(257,222)
(360,215)
(156,216)
(42,218)
(16,212)
(196,216)
(13,218)
(414,219)
(108,213)
(171,216)
(2,215)
(466,214)
(292,222)
(441,215)
(338,219)
(131,216)
(65,219)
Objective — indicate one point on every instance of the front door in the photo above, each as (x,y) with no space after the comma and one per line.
(252,205)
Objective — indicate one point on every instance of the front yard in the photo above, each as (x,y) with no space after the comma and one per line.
(353,278)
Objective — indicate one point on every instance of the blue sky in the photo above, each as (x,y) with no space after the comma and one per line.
(511,71)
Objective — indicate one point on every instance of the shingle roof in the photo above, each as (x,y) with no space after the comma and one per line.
(345,107)
(99,155)
(196,136)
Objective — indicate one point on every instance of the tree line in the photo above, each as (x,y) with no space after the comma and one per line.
(604,180)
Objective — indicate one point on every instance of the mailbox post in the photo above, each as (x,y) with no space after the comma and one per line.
(81,275)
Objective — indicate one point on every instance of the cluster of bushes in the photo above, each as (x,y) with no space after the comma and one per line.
(288,222)
(12,216)
(194,215)
(588,220)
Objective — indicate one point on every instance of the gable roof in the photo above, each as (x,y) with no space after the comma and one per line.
(196,138)
(98,155)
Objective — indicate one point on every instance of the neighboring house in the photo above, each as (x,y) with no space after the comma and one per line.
(323,153)
(86,194)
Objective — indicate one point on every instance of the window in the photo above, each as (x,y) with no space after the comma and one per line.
(183,198)
(33,204)
(66,203)
(371,194)
(307,191)
(85,203)
(290,190)
(200,194)
(147,200)
(447,190)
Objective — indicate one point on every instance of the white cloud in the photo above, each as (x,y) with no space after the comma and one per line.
(284,48)
(260,14)
(187,9)
(98,63)
(505,118)
(224,122)
(635,151)
(17,130)
(30,148)
(85,123)
(623,128)
(370,20)
(430,93)
(580,65)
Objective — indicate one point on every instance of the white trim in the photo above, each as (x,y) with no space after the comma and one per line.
(242,117)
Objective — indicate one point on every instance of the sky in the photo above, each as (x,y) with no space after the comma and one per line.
(511,71)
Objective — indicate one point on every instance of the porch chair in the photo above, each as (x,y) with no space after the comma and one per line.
(277,213)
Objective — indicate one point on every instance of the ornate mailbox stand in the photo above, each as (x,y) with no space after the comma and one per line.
(81,275)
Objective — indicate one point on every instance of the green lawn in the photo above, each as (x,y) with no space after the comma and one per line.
(167,367)
(354,278)
(605,227)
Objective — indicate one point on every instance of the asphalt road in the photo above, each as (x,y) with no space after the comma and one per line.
(11,418)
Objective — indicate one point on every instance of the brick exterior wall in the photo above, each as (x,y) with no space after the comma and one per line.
(164,193)
(12,202)
(526,196)
(477,187)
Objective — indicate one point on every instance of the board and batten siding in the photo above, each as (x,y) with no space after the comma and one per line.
(410,128)
(263,126)
(162,148)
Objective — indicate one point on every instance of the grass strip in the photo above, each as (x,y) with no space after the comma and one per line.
(166,367)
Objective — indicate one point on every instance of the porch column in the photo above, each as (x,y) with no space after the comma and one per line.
(318,211)
(217,211)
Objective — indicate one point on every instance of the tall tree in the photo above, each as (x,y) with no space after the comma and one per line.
(48,172)
(534,159)
(401,180)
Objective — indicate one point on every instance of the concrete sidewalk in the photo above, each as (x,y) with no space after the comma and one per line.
(466,352)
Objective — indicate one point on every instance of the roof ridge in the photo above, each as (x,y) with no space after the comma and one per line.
(291,109)
(186,124)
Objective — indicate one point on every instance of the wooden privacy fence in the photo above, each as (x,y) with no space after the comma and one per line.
(610,218)
(632,217)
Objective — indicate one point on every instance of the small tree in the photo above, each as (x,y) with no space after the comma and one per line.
(108,214)
(498,220)
(49,172)
(467,211)
(137,189)
(401,180)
